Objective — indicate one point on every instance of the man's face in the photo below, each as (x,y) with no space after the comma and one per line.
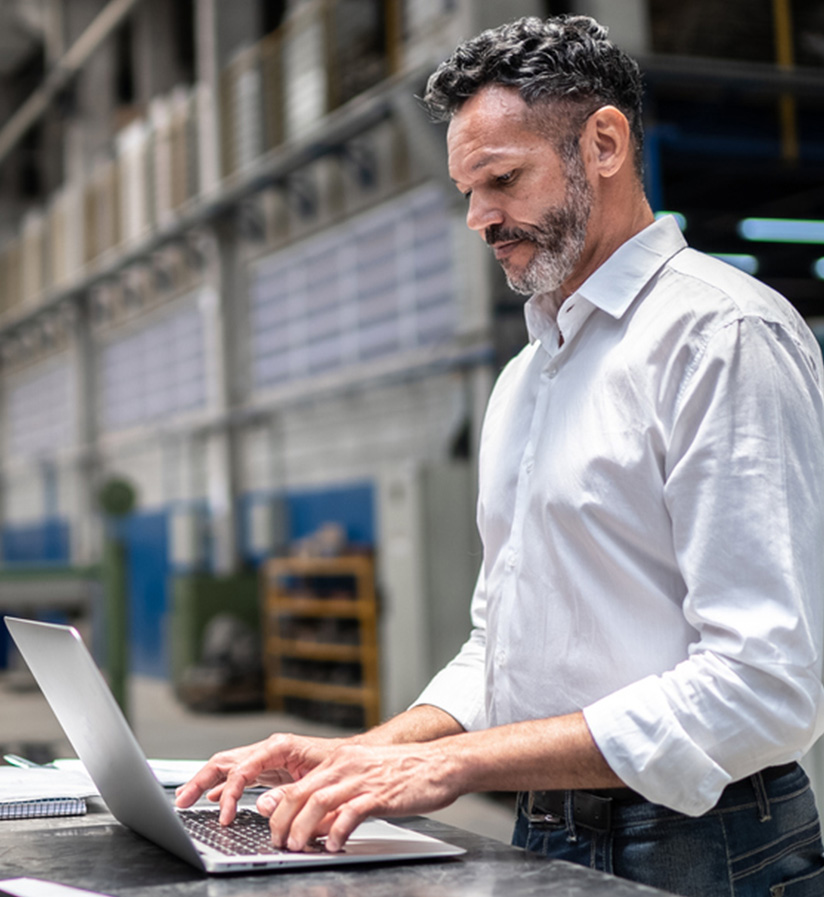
(529,205)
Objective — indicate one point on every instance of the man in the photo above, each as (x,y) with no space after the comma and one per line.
(645,658)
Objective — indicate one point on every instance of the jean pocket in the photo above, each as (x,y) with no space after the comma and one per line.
(810,885)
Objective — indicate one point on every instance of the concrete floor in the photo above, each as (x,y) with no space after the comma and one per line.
(166,728)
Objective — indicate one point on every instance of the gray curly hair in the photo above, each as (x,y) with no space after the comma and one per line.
(564,60)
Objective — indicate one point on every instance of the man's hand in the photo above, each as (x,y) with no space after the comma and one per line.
(281,758)
(356,781)
(274,761)
(419,762)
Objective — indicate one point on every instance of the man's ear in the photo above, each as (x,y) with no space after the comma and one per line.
(607,141)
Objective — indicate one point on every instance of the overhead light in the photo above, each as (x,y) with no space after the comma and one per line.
(740,260)
(781,230)
(818,268)
(678,216)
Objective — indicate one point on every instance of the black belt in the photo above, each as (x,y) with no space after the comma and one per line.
(593,809)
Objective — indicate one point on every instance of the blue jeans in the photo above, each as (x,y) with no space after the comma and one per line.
(762,839)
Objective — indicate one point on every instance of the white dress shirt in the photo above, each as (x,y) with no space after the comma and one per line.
(652,512)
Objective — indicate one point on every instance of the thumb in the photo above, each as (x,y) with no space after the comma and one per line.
(268,801)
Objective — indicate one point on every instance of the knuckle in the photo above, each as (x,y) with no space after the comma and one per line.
(293,794)
(319,800)
(347,753)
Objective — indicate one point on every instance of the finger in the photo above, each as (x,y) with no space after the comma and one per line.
(336,824)
(291,801)
(321,831)
(347,819)
(306,816)
(202,781)
(228,796)
(268,801)
(214,794)
(274,777)
(243,774)
(229,792)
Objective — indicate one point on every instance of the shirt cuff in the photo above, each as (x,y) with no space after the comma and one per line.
(449,691)
(648,749)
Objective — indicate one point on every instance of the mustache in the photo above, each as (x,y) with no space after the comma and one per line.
(498,234)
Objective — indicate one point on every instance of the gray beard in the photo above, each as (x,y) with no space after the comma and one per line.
(559,238)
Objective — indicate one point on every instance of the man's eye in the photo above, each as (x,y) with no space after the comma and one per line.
(504,178)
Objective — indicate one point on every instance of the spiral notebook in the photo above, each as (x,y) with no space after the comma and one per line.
(42,791)
(43,806)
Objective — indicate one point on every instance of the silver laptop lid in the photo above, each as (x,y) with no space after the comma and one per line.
(98,731)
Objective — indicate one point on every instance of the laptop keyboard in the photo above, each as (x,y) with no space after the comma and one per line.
(248,835)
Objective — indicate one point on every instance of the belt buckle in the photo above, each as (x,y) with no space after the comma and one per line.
(538,816)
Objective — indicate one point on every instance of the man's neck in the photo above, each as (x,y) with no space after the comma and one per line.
(615,231)
(551,301)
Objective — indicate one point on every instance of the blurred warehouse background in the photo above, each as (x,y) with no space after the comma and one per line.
(235,281)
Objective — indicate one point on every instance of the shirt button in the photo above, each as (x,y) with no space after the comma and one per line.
(552,373)
(511,558)
(500,658)
(528,467)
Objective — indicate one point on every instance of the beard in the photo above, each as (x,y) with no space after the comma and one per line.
(559,237)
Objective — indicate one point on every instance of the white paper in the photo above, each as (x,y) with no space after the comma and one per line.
(37,782)
(34,887)
(170,773)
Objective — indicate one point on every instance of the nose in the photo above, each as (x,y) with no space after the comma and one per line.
(482,214)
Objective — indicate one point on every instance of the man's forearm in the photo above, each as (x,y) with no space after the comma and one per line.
(557,753)
(538,754)
(419,724)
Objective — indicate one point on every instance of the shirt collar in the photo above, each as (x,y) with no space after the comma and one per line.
(613,287)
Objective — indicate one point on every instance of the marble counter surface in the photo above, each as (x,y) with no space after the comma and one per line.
(97,853)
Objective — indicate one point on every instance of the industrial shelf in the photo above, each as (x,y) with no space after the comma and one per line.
(320,647)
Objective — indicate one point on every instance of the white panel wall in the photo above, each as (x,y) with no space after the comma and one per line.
(404,628)
(258,450)
(381,284)
(184,469)
(429,561)
(350,437)
(23,497)
(153,368)
(40,410)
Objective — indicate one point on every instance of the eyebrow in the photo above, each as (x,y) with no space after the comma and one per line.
(483,162)
(486,160)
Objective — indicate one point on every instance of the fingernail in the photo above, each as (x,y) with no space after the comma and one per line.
(267,804)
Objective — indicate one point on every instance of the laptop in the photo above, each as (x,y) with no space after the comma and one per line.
(99,733)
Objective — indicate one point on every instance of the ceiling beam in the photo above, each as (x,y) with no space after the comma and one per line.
(101,27)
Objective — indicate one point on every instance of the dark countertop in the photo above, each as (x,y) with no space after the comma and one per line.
(97,853)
